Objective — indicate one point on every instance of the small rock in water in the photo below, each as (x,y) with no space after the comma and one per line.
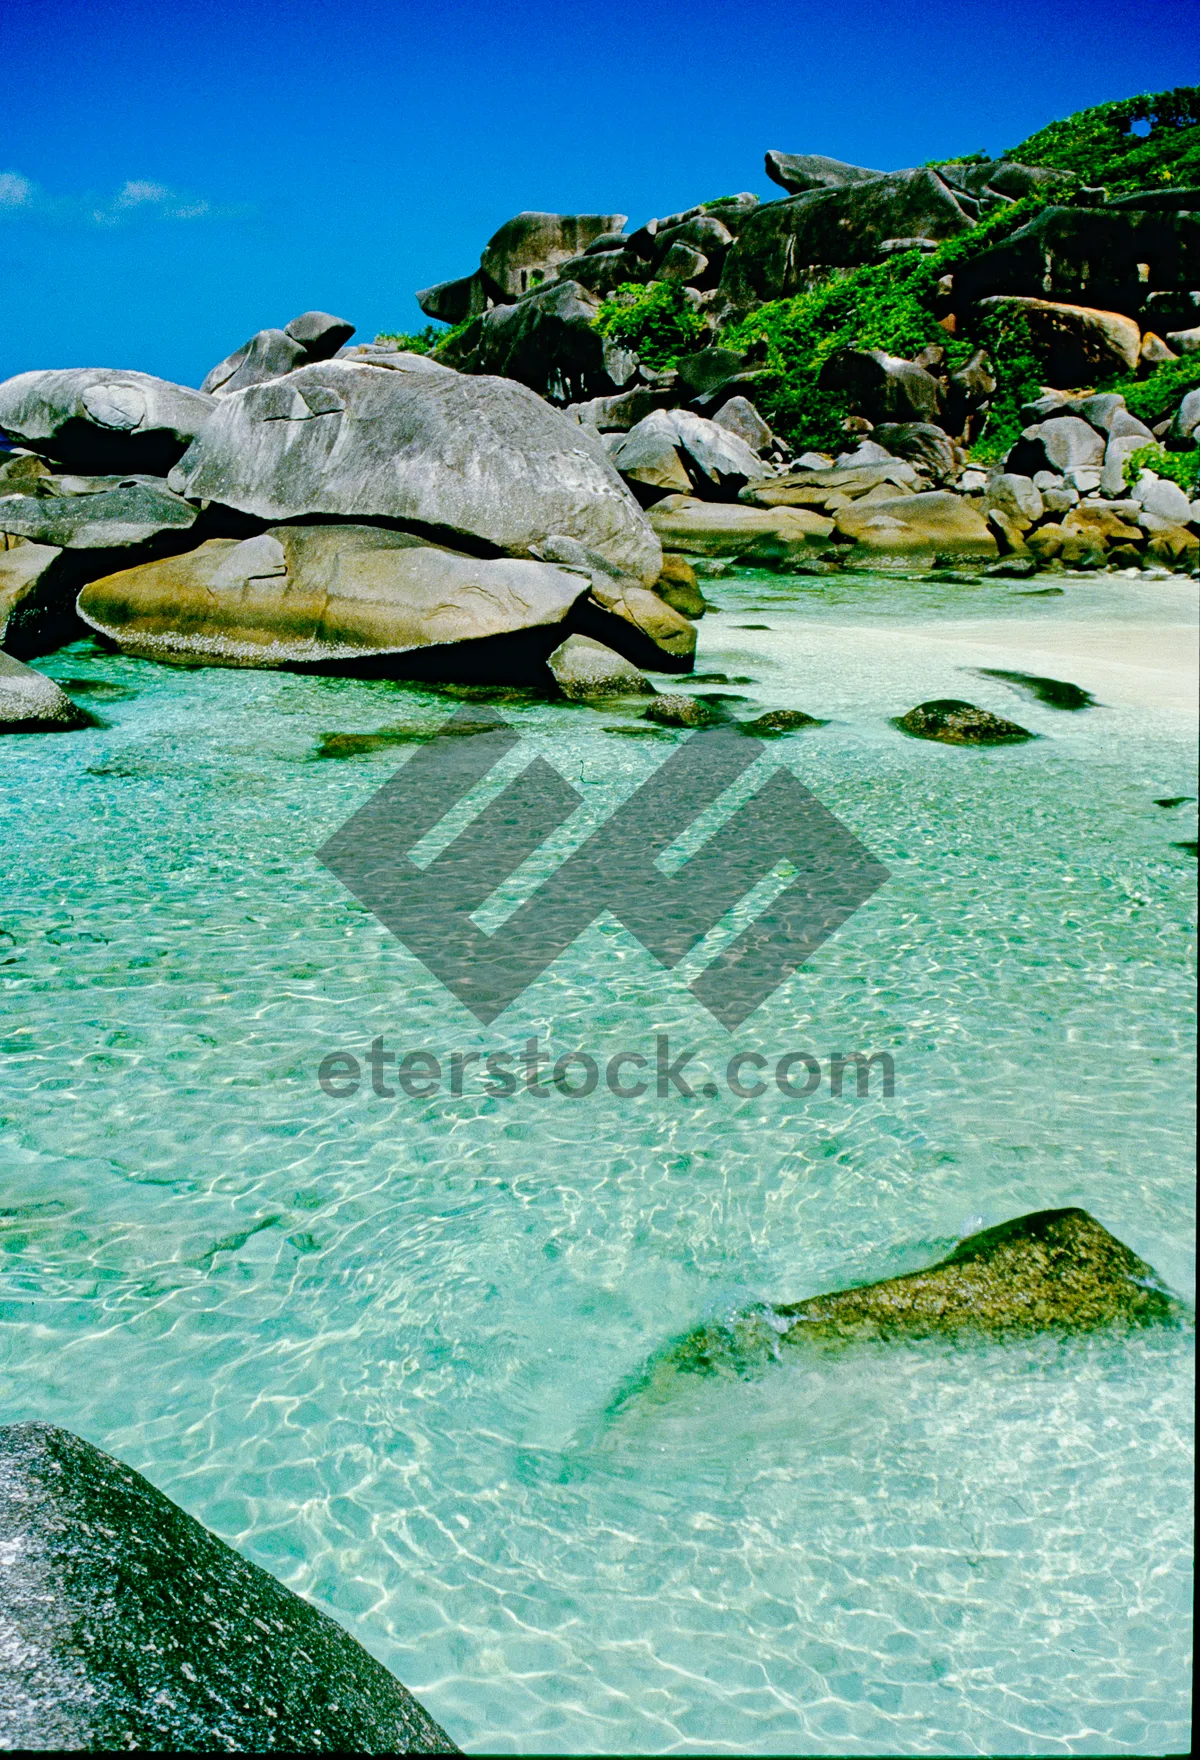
(1054,692)
(1052,1271)
(956,723)
(1174,800)
(778,721)
(680,711)
(1017,568)
(584,669)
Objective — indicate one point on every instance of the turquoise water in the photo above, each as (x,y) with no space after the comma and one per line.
(372,1342)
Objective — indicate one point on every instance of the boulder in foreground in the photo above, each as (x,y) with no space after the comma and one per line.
(465,457)
(102,420)
(330,595)
(129,1626)
(1052,1271)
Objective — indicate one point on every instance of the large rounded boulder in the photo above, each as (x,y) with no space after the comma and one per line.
(462,457)
(100,419)
(328,595)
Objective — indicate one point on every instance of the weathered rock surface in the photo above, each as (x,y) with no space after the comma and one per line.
(269,354)
(1053,1271)
(329,595)
(1076,344)
(713,460)
(31,703)
(479,458)
(37,599)
(528,248)
(678,585)
(319,334)
(955,723)
(926,444)
(741,418)
(830,486)
(1163,503)
(583,669)
(783,247)
(1064,443)
(797,172)
(771,535)
(883,387)
(1097,256)
(130,1626)
(546,341)
(97,419)
(936,523)
(127,514)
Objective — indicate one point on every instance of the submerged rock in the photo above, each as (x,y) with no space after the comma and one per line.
(101,419)
(1052,1271)
(779,721)
(956,723)
(1055,693)
(129,1626)
(481,459)
(677,710)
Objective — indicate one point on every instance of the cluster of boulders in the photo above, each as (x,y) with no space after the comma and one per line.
(906,496)
(529,311)
(319,506)
(535,503)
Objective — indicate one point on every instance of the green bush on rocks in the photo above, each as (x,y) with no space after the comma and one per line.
(1099,144)
(656,321)
(1179,467)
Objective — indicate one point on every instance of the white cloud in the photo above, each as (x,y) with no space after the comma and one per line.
(137,199)
(16,192)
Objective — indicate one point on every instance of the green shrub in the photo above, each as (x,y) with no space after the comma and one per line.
(1099,145)
(1155,398)
(656,321)
(416,341)
(1181,467)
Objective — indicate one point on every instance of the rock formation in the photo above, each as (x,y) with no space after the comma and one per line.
(129,1626)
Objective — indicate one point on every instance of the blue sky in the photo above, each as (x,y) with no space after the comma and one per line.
(175,176)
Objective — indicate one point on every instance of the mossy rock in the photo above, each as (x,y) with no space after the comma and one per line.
(956,723)
(780,721)
(1055,1271)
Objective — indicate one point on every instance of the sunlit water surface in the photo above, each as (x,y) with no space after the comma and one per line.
(373,1342)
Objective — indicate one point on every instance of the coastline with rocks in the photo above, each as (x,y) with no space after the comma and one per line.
(893,480)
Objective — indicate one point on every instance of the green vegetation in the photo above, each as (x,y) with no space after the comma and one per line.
(657,321)
(893,306)
(1181,467)
(416,341)
(1101,147)
(1153,399)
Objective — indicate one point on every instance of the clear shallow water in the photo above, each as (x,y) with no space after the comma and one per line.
(372,1342)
